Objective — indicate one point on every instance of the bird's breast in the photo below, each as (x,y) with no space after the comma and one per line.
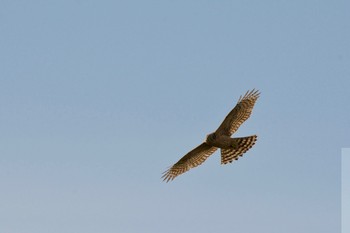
(221,142)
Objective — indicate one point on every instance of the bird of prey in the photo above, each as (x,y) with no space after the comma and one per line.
(231,148)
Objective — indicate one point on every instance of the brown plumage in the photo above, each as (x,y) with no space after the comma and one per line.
(231,148)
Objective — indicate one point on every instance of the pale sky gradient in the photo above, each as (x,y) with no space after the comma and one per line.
(345,191)
(98,98)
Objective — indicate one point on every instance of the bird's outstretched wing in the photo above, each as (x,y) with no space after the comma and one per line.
(192,159)
(240,113)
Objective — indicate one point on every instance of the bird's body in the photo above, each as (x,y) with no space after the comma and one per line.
(231,148)
(220,141)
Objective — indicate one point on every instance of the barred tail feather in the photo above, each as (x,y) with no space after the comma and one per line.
(242,145)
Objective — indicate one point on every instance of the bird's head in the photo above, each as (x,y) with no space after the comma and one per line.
(211,137)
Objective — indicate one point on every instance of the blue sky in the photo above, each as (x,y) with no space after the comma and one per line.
(98,98)
(345,202)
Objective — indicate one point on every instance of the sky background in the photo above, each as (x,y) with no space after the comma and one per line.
(98,98)
(345,201)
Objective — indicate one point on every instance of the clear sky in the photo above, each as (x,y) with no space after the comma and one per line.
(345,201)
(98,98)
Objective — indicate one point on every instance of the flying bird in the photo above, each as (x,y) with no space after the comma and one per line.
(231,148)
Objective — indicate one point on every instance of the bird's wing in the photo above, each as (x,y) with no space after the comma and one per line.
(192,159)
(240,113)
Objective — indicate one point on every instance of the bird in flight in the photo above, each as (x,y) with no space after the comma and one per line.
(231,148)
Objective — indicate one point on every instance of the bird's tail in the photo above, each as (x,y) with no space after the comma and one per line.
(242,145)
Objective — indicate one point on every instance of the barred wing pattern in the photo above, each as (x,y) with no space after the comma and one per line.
(192,159)
(243,145)
(240,113)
